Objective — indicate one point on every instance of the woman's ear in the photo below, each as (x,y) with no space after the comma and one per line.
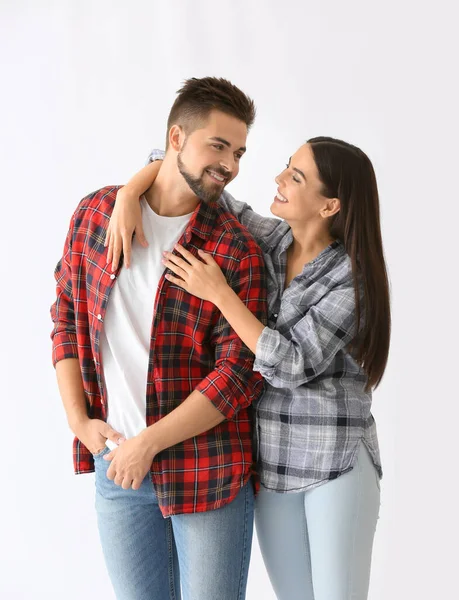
(332,206)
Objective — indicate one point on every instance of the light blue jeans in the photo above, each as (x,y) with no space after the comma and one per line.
(317,544)
(150,558)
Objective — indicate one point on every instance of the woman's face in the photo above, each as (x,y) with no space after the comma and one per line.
(299,198)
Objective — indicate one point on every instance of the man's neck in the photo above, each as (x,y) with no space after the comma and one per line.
(170,196)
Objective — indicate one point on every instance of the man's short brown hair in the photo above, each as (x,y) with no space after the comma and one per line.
(198,97)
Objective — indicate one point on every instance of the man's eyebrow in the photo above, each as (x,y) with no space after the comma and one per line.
(226,143)
(297,170)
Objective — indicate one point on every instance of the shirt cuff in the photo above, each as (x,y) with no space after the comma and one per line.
(228,393)
(64,346)
(155,154)
(270,349)
(214,389)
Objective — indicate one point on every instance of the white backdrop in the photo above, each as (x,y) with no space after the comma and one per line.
(85,91)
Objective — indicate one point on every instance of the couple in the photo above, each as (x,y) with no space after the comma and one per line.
(160,360)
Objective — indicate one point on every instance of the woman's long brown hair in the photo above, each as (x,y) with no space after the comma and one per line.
(347,173)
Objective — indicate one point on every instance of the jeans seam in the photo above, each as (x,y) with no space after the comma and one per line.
(170,550)
(357,511)
(244,547)
(307,545)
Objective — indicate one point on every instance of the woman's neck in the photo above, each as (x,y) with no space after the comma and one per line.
(308,242)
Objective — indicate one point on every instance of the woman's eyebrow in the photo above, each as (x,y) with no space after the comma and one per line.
(297,170)
(300,172)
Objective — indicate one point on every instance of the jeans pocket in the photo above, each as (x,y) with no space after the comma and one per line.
(104,450)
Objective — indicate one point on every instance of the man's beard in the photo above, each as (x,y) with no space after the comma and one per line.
(207,192)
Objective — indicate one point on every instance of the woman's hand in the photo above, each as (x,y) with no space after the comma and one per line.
(125,220)
(127,215)
(202,278)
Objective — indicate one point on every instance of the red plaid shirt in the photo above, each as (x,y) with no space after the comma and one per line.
(192,348)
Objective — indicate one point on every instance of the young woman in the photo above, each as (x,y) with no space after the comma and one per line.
(325,348)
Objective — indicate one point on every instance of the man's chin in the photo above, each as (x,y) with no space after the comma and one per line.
(213,192)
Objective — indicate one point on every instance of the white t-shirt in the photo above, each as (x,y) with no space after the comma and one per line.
(126,334)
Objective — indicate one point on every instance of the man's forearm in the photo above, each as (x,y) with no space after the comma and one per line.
(194,416)
(72,391)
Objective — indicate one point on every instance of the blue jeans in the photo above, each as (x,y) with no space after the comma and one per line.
(149,557)
(317,544)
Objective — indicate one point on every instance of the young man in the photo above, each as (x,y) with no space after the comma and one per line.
(160,373)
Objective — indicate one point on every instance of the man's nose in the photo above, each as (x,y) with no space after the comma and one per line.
(228,162)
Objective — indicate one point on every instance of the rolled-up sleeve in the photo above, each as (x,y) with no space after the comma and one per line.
(155,154)
(233,384)
(315,339)
(63,335)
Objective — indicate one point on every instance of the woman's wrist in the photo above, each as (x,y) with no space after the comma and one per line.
(129,193)
(224,296)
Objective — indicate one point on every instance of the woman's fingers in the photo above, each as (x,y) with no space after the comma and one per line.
(117,246)
(127,246)
(107,236)
(186,254)
(118,243)
(140,236)
(178,282)
(207,258)
(183,264)
(109,243)
(174,265)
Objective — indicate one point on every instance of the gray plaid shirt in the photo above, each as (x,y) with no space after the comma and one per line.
(315,411)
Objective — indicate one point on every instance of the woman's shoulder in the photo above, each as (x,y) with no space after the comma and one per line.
(333,265)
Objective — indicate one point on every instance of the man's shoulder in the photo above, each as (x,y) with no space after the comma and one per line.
(100,202)
(231,228)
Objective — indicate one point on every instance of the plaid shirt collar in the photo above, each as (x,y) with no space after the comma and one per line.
(202,222)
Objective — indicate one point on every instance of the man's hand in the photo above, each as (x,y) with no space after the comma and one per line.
(93,433)
(130,462)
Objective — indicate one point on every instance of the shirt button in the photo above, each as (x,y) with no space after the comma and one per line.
(112,276)
(275,314)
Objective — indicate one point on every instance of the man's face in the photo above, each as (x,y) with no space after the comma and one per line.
(209,158)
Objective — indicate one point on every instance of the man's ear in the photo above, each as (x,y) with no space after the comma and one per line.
(176,137)
(332,207)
